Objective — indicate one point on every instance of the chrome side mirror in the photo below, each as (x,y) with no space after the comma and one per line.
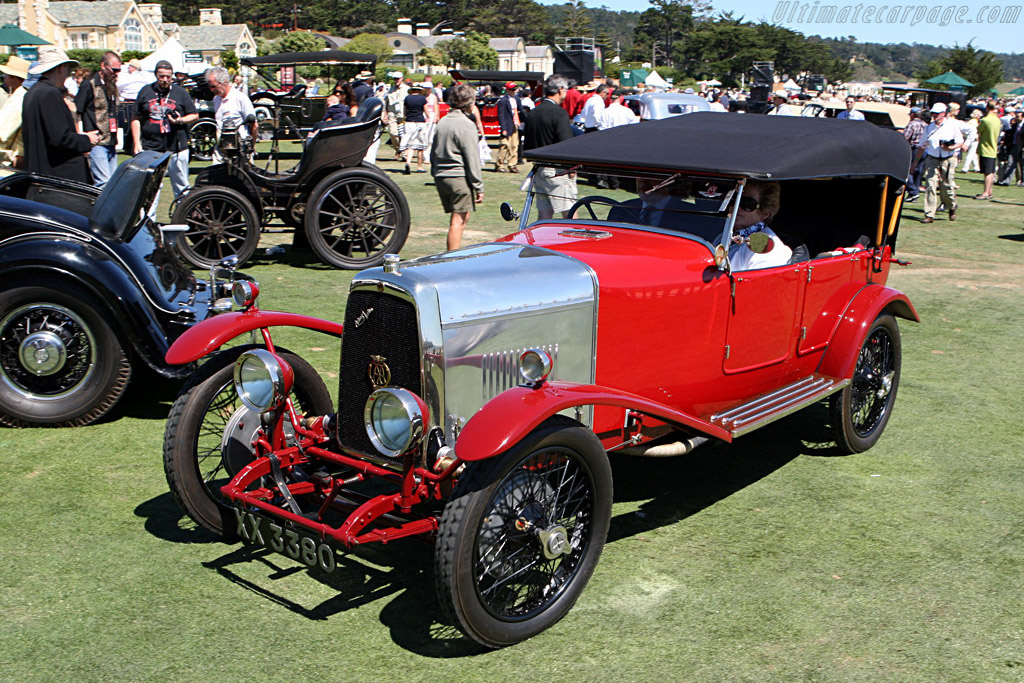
(722,259)
(507,212)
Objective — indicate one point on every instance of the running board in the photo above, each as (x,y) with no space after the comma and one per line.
(778,404)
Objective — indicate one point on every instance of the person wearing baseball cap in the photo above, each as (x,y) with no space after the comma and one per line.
(52,144)
(12,148)
(942,138)
(508,123)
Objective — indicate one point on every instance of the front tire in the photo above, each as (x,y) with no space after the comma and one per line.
(61,365)
(861,410)
(354,217)
(202,139)
(221,222)
(195,465)
(521,535)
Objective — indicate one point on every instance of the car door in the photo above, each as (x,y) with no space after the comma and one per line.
(764,311)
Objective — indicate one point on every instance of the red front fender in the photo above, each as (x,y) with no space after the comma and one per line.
(841,356)
(211,334)
(513,414)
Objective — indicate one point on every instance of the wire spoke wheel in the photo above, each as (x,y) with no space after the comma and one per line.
(522,534)
(198,459)
(221,222)
(202,139)
(60,362)
(860,412)
(354,217)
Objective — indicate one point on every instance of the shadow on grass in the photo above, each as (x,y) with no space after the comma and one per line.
(402,572)
(1019,237)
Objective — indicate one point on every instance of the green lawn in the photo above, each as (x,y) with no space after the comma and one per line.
(768,559)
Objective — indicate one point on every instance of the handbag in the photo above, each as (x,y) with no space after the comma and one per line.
(485,152)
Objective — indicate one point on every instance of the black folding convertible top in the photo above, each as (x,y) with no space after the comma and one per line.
(776,147)
(323,57)
(497,76)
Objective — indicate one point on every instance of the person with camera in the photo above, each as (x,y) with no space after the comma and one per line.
(942,138)
(163,113)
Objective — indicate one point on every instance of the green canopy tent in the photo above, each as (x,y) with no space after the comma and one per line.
(1017,91)
(630,78)
(11,35)
(950,79)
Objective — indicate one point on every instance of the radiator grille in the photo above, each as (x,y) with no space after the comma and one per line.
(389,330)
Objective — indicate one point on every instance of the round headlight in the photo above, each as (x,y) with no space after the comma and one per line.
(244,293)
(535,365)
(263,380)
(394,420)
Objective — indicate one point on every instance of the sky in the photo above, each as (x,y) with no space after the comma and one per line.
(990,24)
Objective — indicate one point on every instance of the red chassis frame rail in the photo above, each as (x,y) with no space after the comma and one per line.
(417,485)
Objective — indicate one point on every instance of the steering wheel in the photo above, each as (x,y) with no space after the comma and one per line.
(587,201)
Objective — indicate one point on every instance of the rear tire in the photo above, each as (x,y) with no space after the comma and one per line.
(860,412)
(195,465)
(354,217)
(202,139)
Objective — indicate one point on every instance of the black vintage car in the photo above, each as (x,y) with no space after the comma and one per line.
(90,289)
(350,212)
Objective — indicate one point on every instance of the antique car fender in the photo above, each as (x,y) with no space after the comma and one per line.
(209,335)
(508,417)
(221,174)
(840,358)
(41,258)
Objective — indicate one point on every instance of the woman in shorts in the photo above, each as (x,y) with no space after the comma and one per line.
(455,163)
(417,128)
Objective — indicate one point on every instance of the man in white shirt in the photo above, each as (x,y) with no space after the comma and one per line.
(941,140)
(616,114)
(593,107)
(850,113)
(231,107)
(781,108)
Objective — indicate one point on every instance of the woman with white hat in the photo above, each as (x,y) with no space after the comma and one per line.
(52,145)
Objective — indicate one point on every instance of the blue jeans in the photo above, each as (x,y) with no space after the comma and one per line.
(177,171)
(102,163)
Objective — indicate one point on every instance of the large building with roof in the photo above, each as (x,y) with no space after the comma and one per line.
(121,25)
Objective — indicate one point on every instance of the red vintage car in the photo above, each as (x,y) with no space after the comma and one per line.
(481,390)
(496,79)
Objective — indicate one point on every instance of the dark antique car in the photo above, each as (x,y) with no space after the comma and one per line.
(90,289)
(481,390)
(351,212)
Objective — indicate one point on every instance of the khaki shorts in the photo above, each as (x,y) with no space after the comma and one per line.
(456,194)
(553,193)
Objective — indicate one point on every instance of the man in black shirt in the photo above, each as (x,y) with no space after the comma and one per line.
(547,124)
(163,113)
(52,146)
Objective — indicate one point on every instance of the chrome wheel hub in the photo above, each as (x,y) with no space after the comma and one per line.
(43,353)
(554,542)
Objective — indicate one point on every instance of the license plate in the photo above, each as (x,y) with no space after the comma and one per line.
(260,530)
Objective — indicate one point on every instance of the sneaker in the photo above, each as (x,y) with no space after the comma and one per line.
(501,170)
(912,198)
(983,196)
(926,219)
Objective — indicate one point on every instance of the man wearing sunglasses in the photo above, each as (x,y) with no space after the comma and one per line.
(758,205)
(96,103)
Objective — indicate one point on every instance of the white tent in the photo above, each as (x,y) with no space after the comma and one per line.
(655,81)
(173,52)
(791,85)
(713,83)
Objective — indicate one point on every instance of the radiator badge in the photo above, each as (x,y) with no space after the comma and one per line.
(379,372)
(363,317)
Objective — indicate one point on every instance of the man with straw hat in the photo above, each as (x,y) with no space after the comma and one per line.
(52,146)
(12,149)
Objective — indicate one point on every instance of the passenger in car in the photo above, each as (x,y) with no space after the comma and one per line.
(758,204)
